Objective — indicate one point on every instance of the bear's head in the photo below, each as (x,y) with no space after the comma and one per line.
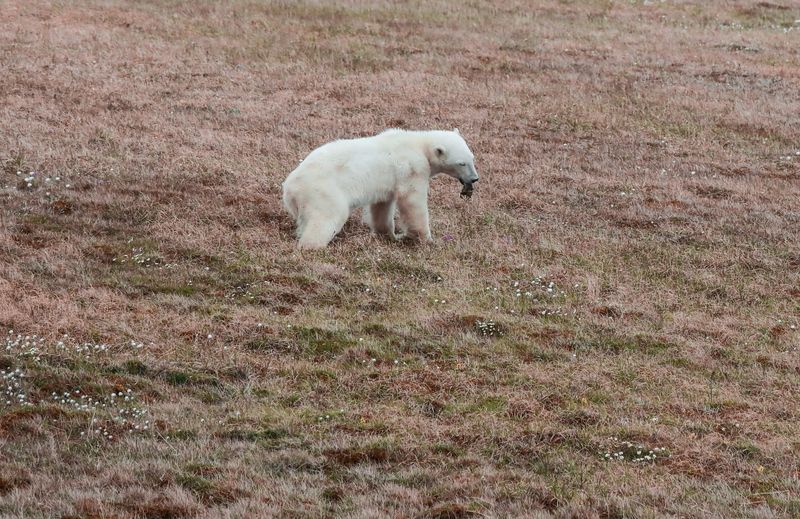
(452,156)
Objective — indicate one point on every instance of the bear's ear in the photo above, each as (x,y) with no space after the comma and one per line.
(456,130)
(439,151)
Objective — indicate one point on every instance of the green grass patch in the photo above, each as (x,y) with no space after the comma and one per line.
(605,342)
(178,377)
(408,272)
(491,404)
(321,342)
(196,484)
(253,435)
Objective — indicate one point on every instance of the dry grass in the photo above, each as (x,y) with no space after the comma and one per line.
(626,274)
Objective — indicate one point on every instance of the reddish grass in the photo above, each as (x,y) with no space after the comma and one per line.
(641,156)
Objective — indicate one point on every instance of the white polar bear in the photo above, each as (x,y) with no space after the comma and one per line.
(391,170)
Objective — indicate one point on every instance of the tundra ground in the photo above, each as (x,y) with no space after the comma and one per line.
(609,328)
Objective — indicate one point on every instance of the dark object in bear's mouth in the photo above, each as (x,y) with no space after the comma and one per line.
(466,191)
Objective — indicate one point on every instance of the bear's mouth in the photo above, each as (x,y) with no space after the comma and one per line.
(466,191)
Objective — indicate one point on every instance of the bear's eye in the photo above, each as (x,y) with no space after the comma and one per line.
(462,164)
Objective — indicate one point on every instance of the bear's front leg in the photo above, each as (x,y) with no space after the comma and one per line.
(413,209)
(380,218)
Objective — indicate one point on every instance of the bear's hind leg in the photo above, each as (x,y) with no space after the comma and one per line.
(319,228)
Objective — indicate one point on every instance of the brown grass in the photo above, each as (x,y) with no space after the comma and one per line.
(641,156)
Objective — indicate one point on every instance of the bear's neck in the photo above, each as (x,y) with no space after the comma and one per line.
(424,142)
(418,140)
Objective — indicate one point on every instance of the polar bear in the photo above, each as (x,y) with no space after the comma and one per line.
(383,173)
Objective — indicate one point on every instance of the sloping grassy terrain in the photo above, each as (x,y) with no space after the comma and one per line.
(609,328)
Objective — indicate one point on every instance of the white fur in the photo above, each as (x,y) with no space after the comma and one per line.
(385,173)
